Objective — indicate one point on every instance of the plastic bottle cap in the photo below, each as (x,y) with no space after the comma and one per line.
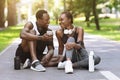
(91,52)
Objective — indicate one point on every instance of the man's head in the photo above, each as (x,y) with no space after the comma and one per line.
(42,18)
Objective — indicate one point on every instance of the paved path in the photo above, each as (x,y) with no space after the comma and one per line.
(108,69)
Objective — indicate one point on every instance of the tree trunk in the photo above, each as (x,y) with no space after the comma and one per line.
(12,18)
(2,16)
(95,15)
(87,16)
(64,1)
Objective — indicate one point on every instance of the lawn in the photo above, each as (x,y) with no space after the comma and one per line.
(8,35)
(110,28)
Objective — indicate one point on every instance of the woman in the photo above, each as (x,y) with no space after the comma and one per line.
(70,38)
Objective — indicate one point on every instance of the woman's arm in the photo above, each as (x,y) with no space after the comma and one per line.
(60,42)
(79,44)
(80,38)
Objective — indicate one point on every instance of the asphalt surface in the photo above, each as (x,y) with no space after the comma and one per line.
(108,69)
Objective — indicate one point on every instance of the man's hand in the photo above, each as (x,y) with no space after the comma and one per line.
(47,57)
(46,37)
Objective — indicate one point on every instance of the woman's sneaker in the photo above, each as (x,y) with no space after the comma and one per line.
(36,66)
(68,67)
(61,65)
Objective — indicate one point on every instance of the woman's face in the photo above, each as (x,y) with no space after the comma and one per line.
(64,21)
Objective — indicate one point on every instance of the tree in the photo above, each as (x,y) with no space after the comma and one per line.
(12,17)
(116,5)
(88,7)
(39,4)
(95,15)
(2,17)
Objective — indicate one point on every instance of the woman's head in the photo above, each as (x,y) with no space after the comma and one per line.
(68,15)
(66,19)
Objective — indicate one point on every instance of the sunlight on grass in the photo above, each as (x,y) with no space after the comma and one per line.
(8,35)
(110,28)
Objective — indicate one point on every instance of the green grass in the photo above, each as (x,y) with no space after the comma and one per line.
(110,28)
(8,35)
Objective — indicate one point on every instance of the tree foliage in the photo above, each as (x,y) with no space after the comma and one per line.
(39,4)
(84,6)
(115,3)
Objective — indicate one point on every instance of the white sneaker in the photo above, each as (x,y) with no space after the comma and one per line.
(26,64)
(61,65)
(68,67)
(36,66)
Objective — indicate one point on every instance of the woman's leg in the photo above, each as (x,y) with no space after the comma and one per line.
(69,52)
(85,62)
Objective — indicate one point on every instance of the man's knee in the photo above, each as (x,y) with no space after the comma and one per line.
(32,32)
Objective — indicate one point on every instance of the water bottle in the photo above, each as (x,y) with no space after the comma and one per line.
(91,61)
(17,63)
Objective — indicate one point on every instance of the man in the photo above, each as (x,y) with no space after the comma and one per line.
(34,41)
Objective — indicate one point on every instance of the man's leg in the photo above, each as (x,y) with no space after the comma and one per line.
(53,61)
(30,46)
(49,59)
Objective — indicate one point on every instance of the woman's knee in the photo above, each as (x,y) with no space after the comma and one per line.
(71,39)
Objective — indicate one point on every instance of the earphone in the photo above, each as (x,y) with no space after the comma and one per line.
(70,31)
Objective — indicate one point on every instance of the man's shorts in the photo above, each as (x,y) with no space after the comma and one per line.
(24,55)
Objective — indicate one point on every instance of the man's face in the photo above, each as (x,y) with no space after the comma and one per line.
(44,22)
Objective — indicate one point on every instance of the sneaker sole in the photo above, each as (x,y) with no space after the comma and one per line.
(69,72)
(60,68)
(25,65)
(37,70)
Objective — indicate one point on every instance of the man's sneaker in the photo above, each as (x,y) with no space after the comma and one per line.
(68,67)
(36,66)
(61,65)
(26,64)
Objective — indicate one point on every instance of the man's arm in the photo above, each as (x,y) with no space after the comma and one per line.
(28,33)
(50,50)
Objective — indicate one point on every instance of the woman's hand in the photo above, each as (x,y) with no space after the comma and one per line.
(70,45)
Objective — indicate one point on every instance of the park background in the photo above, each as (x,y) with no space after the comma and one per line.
(98,17)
